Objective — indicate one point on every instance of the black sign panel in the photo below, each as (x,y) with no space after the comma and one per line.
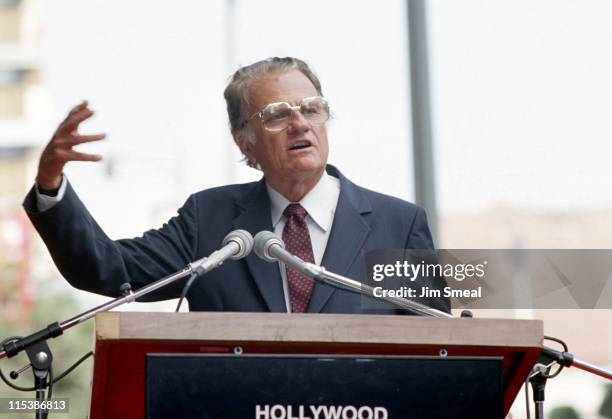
(319,387)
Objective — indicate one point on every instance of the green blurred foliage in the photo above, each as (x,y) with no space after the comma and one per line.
(66,349)
(564,412)
(605,410)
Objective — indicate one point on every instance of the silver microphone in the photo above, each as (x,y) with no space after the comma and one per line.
(236,245)
(271,248)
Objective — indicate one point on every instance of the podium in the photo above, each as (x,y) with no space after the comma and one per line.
(128,346)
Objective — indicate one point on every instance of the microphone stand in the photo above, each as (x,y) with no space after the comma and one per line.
(55,329)
(319,273)
(237,244)
(540,374)
(38,351)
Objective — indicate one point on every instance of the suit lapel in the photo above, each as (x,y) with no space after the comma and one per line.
(347,237)
(255,217)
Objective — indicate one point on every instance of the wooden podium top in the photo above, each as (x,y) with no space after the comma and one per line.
(319,328)
(124,338)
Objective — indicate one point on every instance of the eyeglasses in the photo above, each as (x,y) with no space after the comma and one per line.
(276,116)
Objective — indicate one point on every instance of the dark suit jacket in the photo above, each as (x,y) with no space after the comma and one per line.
(91,261)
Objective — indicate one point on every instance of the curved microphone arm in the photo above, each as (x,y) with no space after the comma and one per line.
(236,245)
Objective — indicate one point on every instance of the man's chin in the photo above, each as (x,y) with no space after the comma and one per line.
(308,167)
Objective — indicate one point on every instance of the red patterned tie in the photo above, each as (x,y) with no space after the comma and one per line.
(297,242)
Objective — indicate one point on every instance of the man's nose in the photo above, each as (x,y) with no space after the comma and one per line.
(297,122)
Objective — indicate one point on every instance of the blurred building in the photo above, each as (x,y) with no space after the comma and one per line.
(508,228)
(22,94)
(22,110)
(588,333)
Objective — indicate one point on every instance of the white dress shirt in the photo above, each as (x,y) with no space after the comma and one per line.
(320,204)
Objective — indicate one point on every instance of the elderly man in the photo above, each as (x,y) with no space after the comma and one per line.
(277,115)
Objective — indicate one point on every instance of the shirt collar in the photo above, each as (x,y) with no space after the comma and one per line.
(320,202)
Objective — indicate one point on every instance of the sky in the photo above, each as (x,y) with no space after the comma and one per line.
(521,96)
(522,99)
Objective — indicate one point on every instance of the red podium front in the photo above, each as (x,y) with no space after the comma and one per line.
(123,339)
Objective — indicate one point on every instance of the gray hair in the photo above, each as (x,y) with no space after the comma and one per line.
(236,92)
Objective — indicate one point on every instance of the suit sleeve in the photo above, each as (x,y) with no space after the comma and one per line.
(420,238)
(91,261)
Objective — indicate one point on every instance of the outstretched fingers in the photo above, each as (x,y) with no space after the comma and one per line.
(73,120)
(78,107)
(73,155)
(59,150)
(76,139)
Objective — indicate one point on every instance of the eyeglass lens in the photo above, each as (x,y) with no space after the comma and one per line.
(277,116)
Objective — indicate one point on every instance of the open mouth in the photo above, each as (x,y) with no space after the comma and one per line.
(299,145)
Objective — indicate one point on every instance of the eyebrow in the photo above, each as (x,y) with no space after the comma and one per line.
(292,103)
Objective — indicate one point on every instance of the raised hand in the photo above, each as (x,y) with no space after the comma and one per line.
(60,150)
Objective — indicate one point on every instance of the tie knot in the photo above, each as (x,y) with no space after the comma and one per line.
(295,210)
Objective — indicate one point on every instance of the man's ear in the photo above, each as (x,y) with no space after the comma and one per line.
(244,145)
